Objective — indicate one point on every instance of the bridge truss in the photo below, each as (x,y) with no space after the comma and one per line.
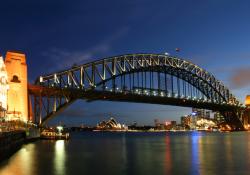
(147,78)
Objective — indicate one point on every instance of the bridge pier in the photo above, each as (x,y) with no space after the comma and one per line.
(234,119)
(16,67)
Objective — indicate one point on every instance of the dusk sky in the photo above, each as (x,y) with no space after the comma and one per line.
(55,34)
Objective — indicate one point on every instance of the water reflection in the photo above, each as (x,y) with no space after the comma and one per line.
(21,163)
(124,151)
(248,148)
(168,163)
(134,153)
(195,137)
(228,148)
(59,158)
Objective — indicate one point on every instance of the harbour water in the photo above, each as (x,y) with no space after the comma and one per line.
(144,153)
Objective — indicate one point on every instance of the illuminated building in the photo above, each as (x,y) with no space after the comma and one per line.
(173,123)
(17,78)
(205,124)
(3,88)
(185,120)
(247,113)
(207,114)
(193,121)
(111,124)
(247,101)
(157,123)
(166,125)
(199,113)
(218,118)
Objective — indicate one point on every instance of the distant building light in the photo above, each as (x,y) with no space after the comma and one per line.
(193,113)
(41,79)
(167,123)
(247,101)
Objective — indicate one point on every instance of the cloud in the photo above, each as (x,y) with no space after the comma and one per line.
(240,78)
(83,113)
(63,58)
(72,112)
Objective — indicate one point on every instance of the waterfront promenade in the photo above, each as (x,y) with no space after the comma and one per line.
(13,135)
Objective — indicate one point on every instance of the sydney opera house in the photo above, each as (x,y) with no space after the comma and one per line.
(111,124)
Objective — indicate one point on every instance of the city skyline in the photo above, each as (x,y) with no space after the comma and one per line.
(213,35)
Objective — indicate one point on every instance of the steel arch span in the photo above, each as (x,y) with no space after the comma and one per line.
(144,78)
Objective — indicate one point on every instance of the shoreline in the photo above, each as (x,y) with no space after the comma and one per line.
(154,131)
(11,142)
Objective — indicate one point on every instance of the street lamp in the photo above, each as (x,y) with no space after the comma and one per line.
(59,128)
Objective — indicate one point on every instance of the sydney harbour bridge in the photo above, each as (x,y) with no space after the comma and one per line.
(140,78)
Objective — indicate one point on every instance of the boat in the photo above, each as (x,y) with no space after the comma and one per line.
(54,134)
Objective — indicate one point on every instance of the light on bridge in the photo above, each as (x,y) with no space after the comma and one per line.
(162,94)
(154,93)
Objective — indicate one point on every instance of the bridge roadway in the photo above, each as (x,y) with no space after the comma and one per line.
(94,95)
